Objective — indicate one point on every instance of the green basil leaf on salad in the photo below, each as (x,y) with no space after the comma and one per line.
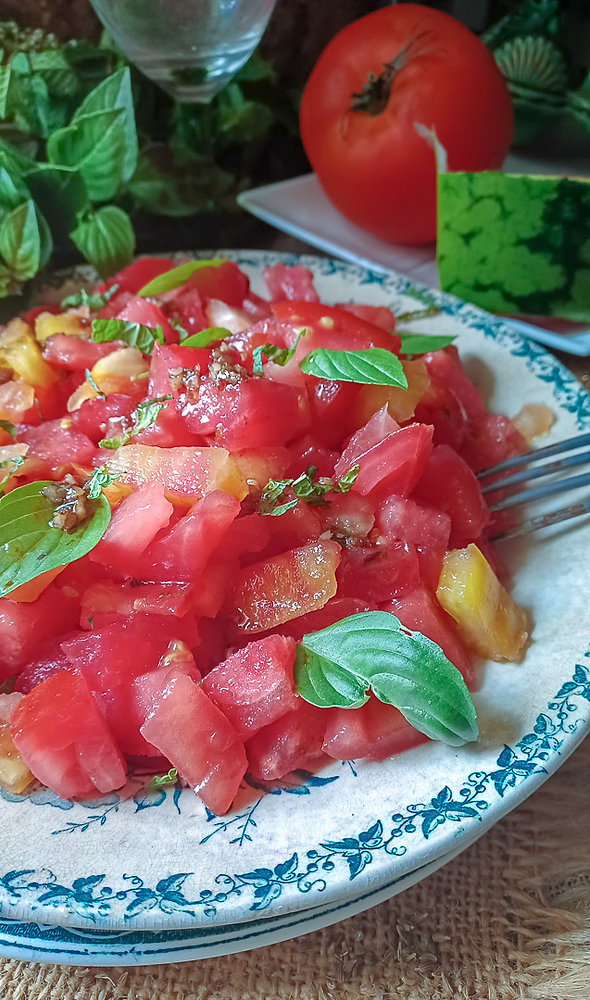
(373,366)
(372,652)
(177,276)
(204,338)
(305,487)
(99,480)
(29,542)
(421,343)
(7,469)
(279,355)
(133,334)
(93,300)
(143,416)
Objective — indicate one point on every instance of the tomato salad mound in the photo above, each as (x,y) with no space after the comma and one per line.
(237,535)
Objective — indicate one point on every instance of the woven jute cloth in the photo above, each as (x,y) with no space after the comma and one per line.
(509,919)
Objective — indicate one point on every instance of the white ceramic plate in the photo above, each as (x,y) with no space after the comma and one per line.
(154,878)
(299,207)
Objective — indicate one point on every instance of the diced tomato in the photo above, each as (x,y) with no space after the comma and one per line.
(182,552)
(285,586)
(195,736)
(222,281)
(333,611)
(112,656)
(448,484)
(58,446)
(24,627)
(293,283)
(133,525)
(400,518)
(133,277)
(254,413)
(186,473)
(254,686)
(379,316)
(395,464)
(75,354)
(148,314)
(378,572)
(330,327)
(375,731)
(292,742)
(100,418)
(108,597)
(420,611)
(168,358)
(49,660)
(63,739)
(492,438)
(445,366)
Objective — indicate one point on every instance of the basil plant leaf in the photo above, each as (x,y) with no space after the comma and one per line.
(30,545)
(212,335)
(20,241)
(94,144)
(176,276)
(421,343)
(106,239)
(373,366)
(132,334)
(114,94)
(373,652)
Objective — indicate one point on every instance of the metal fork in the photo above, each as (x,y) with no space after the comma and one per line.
(500,476)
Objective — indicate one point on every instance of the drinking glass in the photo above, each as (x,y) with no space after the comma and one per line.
(191,48)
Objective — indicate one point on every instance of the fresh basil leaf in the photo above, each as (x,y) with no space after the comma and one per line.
(114,93)
(93,300)
(8,426)
(421,343)
(268,505)
(29,545)
(20,241)
(143,416)
(106,239)
(95,145)
(132,334)
(176,276)
(372,651)
(203,338)
(99,480)
(162,780)
(279,355)
(373,366)
(5,72)
(305,487)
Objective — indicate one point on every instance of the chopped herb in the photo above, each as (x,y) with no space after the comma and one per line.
(306,487)
(203,338)
(143,416)
(94,300)
(8,426)
(162,780)
(11,464)
(133,334)
(99,480)
(278,355)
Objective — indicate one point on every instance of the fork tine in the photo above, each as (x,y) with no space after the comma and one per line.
(540,492)
(559,448)
(544,520)
(569,462)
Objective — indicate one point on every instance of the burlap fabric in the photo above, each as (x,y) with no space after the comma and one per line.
(509,919)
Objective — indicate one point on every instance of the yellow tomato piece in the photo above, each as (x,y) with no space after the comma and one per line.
(400,403)
(187,474)
(70,323)
(489,620)
(20,352)
(14,773)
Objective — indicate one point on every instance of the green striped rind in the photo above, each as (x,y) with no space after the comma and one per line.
(514,243)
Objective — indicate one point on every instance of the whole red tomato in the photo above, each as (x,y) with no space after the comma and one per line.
(379,77)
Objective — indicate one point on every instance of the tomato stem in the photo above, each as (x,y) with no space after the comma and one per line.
(373,98)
